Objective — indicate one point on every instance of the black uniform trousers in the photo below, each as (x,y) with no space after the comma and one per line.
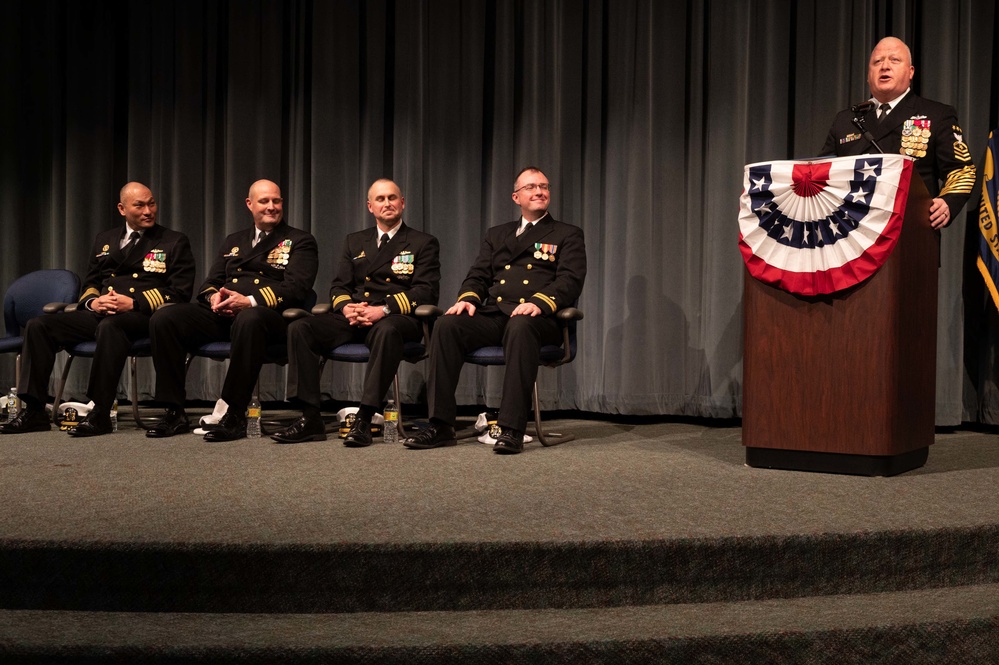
(309,338)
(521,337)
(180,329)
(45,335)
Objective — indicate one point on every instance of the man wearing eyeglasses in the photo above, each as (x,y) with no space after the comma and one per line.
(526,271)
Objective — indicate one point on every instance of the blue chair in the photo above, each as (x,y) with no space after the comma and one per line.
(552,355)
(27,298)
(412,352)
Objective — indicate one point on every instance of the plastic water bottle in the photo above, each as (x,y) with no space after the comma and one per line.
(253,413)
(12,403)
(390,432)
(114,415)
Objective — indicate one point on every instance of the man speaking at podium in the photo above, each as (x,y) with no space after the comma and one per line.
(895,120)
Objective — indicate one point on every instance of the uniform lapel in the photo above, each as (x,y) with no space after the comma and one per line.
(526,240)
(386,252)
(902,112)
(142,246)
(270,242)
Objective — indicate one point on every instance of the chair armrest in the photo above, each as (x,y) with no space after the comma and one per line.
(322,308)
(428,312)
(295,313)
(58,307)
(570,314)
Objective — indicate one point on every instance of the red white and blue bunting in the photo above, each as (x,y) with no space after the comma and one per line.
(820,226)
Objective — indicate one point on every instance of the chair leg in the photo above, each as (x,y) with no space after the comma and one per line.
(60,387)
(133,362)
(550,438)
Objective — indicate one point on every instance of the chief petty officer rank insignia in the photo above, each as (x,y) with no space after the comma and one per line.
(545,252)
(915,137)
(403,264)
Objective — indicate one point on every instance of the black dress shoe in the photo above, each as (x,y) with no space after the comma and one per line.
(509,442)
(359,435)
(95,424)
(434,436)
(27,420)
(230,428)
(174,422)
(303,429)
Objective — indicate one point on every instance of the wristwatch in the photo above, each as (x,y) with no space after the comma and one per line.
(385,310)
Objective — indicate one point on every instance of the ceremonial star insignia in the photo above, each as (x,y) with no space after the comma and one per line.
(804,237)
(869,170)
(765,208)
(758,184)
(857,193)
(787,232)
(834,227)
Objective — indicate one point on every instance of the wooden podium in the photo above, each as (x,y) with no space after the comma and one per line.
(845,383)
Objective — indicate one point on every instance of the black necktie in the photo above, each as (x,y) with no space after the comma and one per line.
(385,239)
(132,239)
(260,238)
(884,108)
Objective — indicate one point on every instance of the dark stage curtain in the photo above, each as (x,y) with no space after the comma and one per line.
(642,113)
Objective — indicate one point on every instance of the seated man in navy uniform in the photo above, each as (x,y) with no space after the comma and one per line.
(526,271)
(257,273)
(899,121)
(385,272)
(132,272)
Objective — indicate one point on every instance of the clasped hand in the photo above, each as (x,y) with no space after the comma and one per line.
(362,314)
(112,303)
(229,303)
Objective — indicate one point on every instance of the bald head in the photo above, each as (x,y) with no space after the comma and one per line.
(137,205)
(386,203)
(265,204)
(890,70)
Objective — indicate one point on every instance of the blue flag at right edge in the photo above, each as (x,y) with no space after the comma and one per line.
(988,223)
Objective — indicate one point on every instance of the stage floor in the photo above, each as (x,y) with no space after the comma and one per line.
(615,482)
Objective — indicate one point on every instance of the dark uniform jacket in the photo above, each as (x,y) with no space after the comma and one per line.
(402,274)
(943,156)
(279,272)
(546,265)
(159,268)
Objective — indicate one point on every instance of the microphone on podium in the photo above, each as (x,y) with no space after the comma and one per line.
(859,111)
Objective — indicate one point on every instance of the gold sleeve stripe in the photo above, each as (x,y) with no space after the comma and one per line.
(403,302)
(470,294)
(89,292)
(960,181)
(154,298)
(269,298)
(961,152)
(210,289)
(340,299)
(548,301)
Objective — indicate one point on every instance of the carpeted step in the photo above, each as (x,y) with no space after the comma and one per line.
(460,576)
(951,625)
